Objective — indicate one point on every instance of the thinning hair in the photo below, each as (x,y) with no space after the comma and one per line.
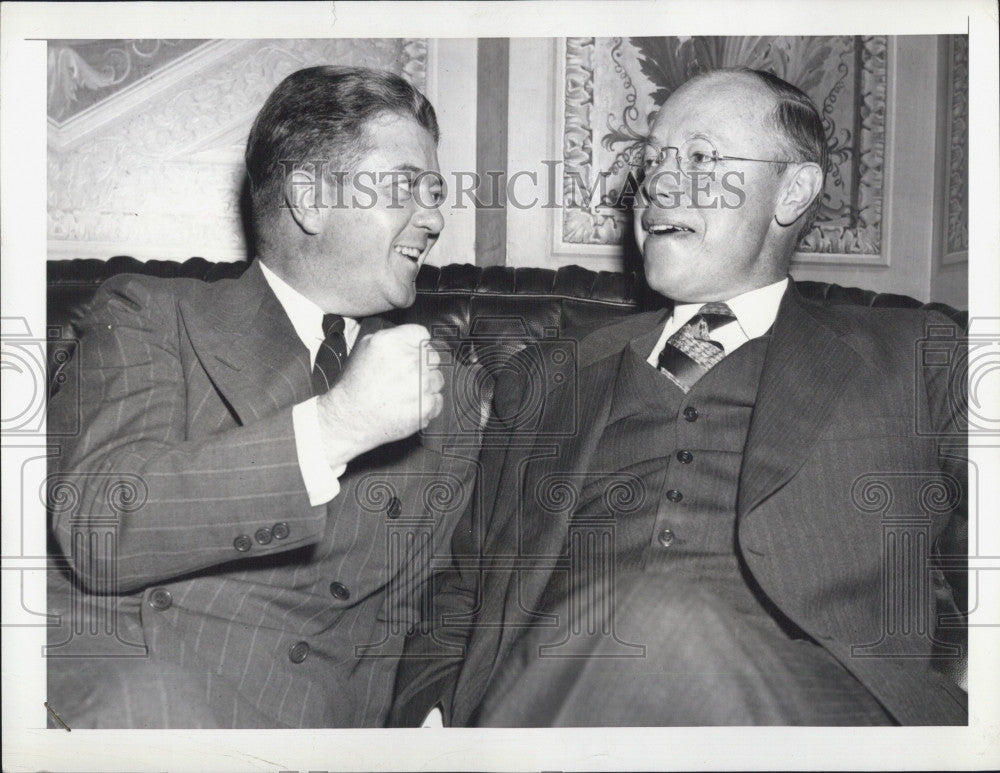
(797,121)
(321,114)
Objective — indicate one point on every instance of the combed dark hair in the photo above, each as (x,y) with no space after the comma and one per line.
(797,119)
(321,113)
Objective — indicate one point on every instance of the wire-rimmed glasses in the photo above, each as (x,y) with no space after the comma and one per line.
(698,156)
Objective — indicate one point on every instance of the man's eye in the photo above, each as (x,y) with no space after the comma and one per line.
(434,196)
(699,157)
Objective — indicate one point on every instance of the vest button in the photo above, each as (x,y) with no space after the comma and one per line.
(339,591)
(160,599)
(685,457)
(665,538)
(691,413)
(298,651)
(280,530)
(674,495)
(394,508)
(243,543)
(263,536)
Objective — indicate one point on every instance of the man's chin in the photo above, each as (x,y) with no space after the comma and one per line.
(404,298)
(668,280)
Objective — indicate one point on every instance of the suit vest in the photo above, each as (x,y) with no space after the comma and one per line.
(681,455)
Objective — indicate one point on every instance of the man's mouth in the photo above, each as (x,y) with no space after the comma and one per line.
(666,229)
(412,253)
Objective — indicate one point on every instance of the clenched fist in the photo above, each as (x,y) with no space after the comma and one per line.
(385,393)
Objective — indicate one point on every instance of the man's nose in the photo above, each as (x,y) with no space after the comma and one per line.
(429,218)
(663,185)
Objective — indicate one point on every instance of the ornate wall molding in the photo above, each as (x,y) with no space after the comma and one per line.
(582,222)
(67,131)
(82,73)
(957,201)
(612,86)
(159,168)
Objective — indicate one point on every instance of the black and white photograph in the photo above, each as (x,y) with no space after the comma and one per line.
(396,385)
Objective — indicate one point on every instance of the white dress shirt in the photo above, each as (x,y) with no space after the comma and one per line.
(755,312)
(321,481)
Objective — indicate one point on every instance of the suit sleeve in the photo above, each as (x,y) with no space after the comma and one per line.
(162,504)
(945,379)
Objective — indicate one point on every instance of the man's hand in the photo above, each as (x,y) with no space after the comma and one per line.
(384,393)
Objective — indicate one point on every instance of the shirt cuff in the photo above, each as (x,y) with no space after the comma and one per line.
(322,481)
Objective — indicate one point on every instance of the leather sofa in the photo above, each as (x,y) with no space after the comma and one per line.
(518,304)
(494,312)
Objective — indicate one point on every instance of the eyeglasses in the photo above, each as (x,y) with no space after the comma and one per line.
(697,156)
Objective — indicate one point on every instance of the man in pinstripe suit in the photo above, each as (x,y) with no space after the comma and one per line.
(246,577)
(726,536)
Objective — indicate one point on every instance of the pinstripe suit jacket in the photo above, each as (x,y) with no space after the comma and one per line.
(843,438)
(253,605)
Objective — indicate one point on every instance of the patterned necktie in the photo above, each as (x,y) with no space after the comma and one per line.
(331,355)
(690,352)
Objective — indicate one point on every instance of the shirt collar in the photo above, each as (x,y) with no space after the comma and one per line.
(755,310)
(755,313)
(306,317)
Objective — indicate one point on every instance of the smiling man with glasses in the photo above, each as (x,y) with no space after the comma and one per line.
(693,552)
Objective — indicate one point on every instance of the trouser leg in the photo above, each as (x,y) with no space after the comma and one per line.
(704,664)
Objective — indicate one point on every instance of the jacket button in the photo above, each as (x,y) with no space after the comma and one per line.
(298,651)
(691,413)
(160,598)
(685,457)
(665,538)
(280,530)
(674,495)
(339,591)
(394,508)
(242,543)
(263,536)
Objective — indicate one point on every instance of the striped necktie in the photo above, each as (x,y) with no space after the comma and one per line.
(331,355)
(690,352)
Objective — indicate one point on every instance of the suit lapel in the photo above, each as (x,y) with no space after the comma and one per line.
(571,463)
(541,530)
(247,345)
(573,426)
(806,369)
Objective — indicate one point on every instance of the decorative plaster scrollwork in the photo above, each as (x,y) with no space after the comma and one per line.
(580,224)
(414,56)
(958,144)
(83,72)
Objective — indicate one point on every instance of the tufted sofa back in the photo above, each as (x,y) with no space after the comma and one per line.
(517,305)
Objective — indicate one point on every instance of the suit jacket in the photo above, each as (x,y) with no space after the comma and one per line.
(841,459)
(183,499)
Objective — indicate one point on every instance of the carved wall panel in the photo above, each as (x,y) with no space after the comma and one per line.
(613,85)
(82,73)
(957,212)
(154,168)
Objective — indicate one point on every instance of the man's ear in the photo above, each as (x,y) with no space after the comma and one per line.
(304,200)
(804,184)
